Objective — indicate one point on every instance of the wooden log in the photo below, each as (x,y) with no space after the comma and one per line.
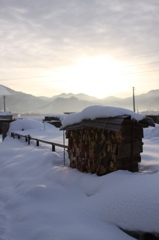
(137,158)
(124,164)
(113,157)
(118,137)
(104,151)
(73,164)
(108,147)
(124,150)
(84,166)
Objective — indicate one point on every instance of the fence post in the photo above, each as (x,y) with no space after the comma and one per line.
(28,139)
(53,148)
(5,127)
(64,145)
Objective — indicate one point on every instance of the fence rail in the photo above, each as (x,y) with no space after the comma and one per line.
(28,138)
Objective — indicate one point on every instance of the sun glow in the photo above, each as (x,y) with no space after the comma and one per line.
(98,76)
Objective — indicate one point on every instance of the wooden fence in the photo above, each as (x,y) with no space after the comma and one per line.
(28,139)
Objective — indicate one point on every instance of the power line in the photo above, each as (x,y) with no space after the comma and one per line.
(24,78)
(128,73)
(142,55)
(154,70)
(141,72)
(139,64)
(126,66)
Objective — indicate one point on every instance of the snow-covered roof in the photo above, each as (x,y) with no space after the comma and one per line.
(55,115)
(98,111)
(5,113)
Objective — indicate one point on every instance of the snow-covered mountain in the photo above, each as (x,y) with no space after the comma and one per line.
(20,102)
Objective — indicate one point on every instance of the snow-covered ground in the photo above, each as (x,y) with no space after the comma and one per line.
(41,199)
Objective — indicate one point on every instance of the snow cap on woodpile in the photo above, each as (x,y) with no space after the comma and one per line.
(98,111)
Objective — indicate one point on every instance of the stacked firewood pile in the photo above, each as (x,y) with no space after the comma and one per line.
(53,120)
(99,151)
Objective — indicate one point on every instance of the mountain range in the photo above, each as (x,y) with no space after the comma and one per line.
(22,103)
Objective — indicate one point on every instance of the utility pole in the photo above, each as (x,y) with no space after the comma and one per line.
(4,101)
(133,99)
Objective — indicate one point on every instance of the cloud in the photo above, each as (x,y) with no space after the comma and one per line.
(53,33)
(78,27)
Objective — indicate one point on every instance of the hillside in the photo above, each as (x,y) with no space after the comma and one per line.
(19,102)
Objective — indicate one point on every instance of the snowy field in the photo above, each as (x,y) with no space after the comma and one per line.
(41,199)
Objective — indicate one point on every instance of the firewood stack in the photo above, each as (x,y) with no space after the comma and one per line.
(101,151)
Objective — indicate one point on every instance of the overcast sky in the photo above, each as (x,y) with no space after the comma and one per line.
(98,47)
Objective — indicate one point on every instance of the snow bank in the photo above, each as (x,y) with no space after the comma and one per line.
(40,198)
(151,132)
(25,124)
(98,111)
